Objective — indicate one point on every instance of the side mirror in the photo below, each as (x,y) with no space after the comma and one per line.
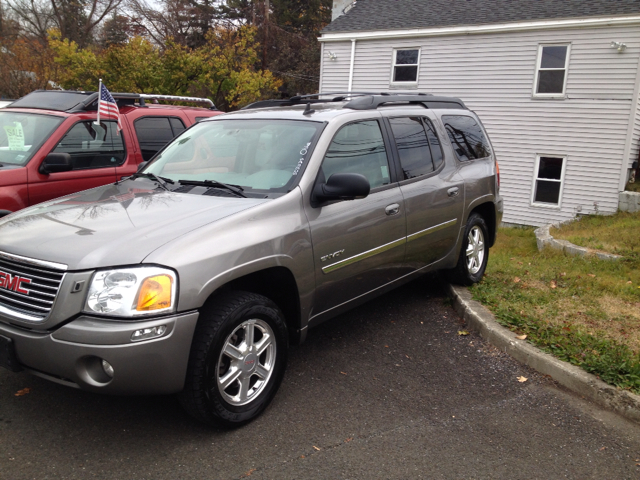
(56,162)
(141,165)
(341,186)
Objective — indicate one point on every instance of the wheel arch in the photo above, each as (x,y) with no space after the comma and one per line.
(488,211)
(277,284)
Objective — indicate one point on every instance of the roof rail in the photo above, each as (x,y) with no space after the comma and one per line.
(371,102)
(79,101)
(365,100)
(175,98)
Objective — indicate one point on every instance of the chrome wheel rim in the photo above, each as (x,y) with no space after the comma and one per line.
(475,250)
(246,362)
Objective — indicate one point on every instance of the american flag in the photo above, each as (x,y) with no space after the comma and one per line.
(107,106)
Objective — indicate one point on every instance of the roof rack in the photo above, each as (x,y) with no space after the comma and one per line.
(365,100)
(79,101)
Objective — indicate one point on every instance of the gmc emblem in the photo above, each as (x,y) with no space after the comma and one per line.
(13,282)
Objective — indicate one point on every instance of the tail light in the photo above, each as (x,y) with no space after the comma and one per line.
(498,173)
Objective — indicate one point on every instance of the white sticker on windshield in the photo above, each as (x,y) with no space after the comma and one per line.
(15,135)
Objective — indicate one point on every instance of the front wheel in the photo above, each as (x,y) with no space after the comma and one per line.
(237,360)
(474,253)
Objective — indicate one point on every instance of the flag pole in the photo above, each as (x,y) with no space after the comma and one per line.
(99,96)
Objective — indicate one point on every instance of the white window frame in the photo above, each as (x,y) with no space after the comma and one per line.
(393,83)
(534,186)
(535,93)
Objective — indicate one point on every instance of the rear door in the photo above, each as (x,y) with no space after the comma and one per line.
(358,245)
(432,190)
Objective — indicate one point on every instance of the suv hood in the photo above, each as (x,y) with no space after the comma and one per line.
(111,225)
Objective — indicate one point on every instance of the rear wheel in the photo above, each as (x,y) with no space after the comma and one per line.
(474,253)
(237,361)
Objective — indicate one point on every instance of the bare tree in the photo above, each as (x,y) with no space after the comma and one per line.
(76,19)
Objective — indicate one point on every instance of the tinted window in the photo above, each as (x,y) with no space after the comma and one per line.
(434,142)
(155,132)
(93,146)
(413,146)
(467,138)
(358,148)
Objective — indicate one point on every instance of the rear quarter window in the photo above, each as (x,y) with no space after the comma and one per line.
(467,138)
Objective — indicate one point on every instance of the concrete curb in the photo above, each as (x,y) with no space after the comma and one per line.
(481,320)
(544,239)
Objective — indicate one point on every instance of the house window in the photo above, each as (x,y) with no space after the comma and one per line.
(551,72)
(405,65)
(548,180)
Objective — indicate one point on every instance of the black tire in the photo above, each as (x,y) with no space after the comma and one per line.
(238,322)
(474,253)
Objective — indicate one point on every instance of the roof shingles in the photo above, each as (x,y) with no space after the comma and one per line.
(369,15)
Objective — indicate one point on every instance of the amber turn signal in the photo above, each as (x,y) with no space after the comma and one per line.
(155,293)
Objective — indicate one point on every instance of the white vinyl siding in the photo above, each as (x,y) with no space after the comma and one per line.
(334,74)
(494,73)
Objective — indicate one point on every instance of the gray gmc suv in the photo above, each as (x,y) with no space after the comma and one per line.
(194,275)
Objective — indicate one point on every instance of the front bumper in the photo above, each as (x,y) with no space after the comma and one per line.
(72,354)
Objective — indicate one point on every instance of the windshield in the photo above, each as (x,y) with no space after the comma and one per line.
(263,155)
(22,134)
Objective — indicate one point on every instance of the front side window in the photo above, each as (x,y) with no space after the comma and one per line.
(551,73)
(548,180)
(22,134)
(358,148)
(261,156)
(467,138)
(155,132)
(405,66)
(93,145)
(413,146)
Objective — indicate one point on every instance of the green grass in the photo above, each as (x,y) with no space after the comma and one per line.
(582,310)
(619,233)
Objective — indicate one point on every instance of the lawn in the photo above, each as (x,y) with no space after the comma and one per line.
(581,309)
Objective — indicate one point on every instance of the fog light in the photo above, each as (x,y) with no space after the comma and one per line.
(147,333)
(108,369)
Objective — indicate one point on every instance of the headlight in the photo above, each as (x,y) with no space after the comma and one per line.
(128,292)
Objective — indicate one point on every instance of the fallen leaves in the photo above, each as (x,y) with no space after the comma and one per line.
(317,448)
(22,392)
(553,284)
(516,280)
(522,379)
(592,275)
(343,373)
(463,332)
(521,337)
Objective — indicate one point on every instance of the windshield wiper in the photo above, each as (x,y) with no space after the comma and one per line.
(162,181)
(237,189)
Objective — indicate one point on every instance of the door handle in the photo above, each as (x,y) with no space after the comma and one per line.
(392,209)
(452,192)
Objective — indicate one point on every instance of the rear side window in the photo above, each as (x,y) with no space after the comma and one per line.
(155,132)
(413,146)
(358,148)
(467,138)
(92,145)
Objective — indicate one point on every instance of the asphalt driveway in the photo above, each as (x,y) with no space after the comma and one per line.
(389,390)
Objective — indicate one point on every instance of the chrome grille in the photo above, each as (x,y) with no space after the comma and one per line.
(28,287)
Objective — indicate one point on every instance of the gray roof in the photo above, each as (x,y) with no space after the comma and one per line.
(369,15)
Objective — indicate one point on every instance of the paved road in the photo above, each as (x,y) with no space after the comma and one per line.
(389,390)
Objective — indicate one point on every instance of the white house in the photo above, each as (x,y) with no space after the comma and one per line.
(556,83)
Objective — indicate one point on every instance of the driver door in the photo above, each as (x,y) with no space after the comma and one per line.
(358,245)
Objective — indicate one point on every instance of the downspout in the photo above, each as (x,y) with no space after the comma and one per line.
(353,57)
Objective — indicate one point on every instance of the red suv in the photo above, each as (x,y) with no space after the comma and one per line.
(51,145)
